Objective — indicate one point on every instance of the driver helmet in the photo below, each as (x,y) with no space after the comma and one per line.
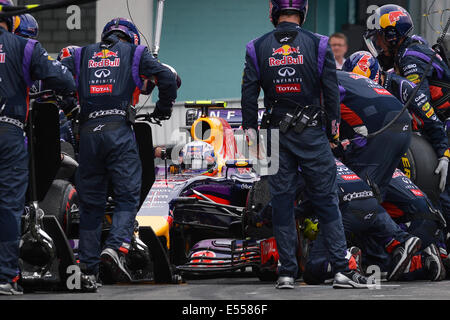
(391,24)
(10,21)
(27,26)
(363,63)
(278,6)
(197,156)
(124,26)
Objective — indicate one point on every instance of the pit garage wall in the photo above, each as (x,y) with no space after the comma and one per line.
(205,40)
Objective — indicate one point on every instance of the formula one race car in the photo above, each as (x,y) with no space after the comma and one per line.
(201,196)
(204,213)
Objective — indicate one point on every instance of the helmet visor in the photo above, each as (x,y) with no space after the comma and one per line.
(372,40)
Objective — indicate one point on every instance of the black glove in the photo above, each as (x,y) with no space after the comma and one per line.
(161,114)
(68,104)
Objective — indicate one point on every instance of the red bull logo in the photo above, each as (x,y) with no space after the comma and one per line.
(105,61)
(286,50)
(390,19)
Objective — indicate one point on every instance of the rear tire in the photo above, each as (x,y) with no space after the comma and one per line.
(419,164)
(60,200)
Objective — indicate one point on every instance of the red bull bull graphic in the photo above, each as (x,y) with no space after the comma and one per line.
(104,54)
(390,19)
(363,66)
(286,50)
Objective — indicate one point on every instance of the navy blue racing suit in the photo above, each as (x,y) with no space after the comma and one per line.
(109,76)
(293,64)
(424,117)
(366,107)
(411,63)
(367,225)
(413,210)
(22,62)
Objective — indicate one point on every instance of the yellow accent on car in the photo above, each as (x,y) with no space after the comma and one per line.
(159,224)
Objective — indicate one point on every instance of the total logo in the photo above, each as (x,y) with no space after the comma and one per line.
(286,51)
(108,88)
(105,61)
(288,88)
(2,54)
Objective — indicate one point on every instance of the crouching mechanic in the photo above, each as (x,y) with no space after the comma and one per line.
(367,226)
(108,76)
(424,117)
(22,61)
(312,71)
(366,108)
(403,198)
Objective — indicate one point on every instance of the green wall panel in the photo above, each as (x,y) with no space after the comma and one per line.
(205,41)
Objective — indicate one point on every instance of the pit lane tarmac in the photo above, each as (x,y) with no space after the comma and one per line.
(247,288)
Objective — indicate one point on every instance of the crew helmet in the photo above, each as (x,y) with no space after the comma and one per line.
(278,6)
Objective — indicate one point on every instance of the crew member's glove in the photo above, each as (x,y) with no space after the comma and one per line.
(251,137)
(442,170)
(333,132)
(69,105)
(161,114)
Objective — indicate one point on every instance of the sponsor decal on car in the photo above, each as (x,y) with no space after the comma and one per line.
(202,255)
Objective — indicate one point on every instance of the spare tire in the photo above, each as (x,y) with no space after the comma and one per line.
(419,164)
(60,200)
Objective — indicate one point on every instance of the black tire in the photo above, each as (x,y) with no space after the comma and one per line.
(180,244)
(419,164)
(266,275)
(66,173)
(258,198)
(60,200)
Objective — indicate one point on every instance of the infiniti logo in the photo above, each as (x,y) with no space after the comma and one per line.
(286,71)
(102,73)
